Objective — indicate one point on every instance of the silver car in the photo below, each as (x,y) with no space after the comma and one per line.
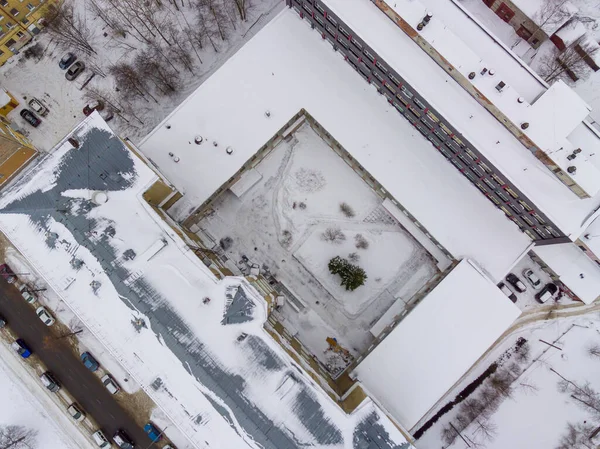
(45,316)
(75,70)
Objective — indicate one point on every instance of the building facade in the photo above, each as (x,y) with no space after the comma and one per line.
(20,20)
(16,151)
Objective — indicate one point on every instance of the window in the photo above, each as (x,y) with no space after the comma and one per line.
(14,12)
(25,21)
(369,56)
(380,67)
(10,43)
(1,52)
(433,117)
(394,80)
(419,103)
(4,2)
(445,129)
(1,17)
(10,25)
(20,34)
(30,7)
(485,167)
(414,111)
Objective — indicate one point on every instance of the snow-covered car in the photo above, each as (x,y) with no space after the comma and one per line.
(122,440)
(76,413)
(30,117)
(513,280)
(93,106)
(532,278)
(546,293)
(45,316)
(101,440)
(75,70)
(38,107)
(507,291)
(111,384)
(27,295)
(50,382)
(67,60)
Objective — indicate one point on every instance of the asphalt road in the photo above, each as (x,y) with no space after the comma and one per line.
(81,383)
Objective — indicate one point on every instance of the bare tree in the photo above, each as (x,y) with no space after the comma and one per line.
(594,350)
(130,81)
(119,13)
(333,235)
(180,52)
(570,62)
(150,16)
(154,69)
(69,30)
(17,437)
(551,15)
(242,8)
(485,429)
(218,19)
(577,437)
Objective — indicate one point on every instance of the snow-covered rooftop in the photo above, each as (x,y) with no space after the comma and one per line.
(574,269)
(79,218)
(438,341)
(571,32)
(490,136)
(288,67)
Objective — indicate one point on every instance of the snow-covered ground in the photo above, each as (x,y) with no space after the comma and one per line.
(537,411)
(279,222)
(44,80)
(25,402)
(215,372)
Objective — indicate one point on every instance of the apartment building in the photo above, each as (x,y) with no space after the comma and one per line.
(20,20)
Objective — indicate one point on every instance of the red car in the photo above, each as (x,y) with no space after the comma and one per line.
(93,106)
(7,273)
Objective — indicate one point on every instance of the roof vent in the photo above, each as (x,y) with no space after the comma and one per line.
(500,86)
(572,169)
(524,125)
(483,72)
(99,198)
(74,142)
(492,72)
(229,150)
(267,114)
(198,140)
(520,100)
(572,156)
(471,75)
(168,126)
(577,151)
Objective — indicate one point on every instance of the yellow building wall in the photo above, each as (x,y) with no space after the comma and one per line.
(12,104)
(18,17)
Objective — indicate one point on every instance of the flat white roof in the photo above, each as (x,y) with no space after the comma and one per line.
(576,270)
(437,342)
(287,67)
(458,107)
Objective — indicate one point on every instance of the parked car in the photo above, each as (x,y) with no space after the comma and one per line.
(93,106)
(50,382)
(76,413)
(546,293)
(21,347)
(107,115)
(30,117)
(38,107)
(75,70)
(507,291)
(111,384)
(532,278)
(67,60)
(7,273)
(122,440)
(101,440)
(45,316)
(27,295)
(153,433)
(2,322)
(89,361)
(513,280)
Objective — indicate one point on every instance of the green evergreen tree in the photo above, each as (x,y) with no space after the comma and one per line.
(351,276)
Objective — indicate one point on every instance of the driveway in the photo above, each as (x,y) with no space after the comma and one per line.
(58,356)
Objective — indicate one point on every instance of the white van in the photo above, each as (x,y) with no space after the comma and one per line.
(101,440)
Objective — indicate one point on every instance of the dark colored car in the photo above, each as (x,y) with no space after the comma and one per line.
(75,70)
(89,361)
(546,293)
(513,280)
(507,291)
(7,273)
(21,347)
(122,440)
(153,432)
(67,60)
(30,117)
(2,322)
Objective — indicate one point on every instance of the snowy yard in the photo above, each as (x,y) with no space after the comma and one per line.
(134,115)
(279,219)
(545,390)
